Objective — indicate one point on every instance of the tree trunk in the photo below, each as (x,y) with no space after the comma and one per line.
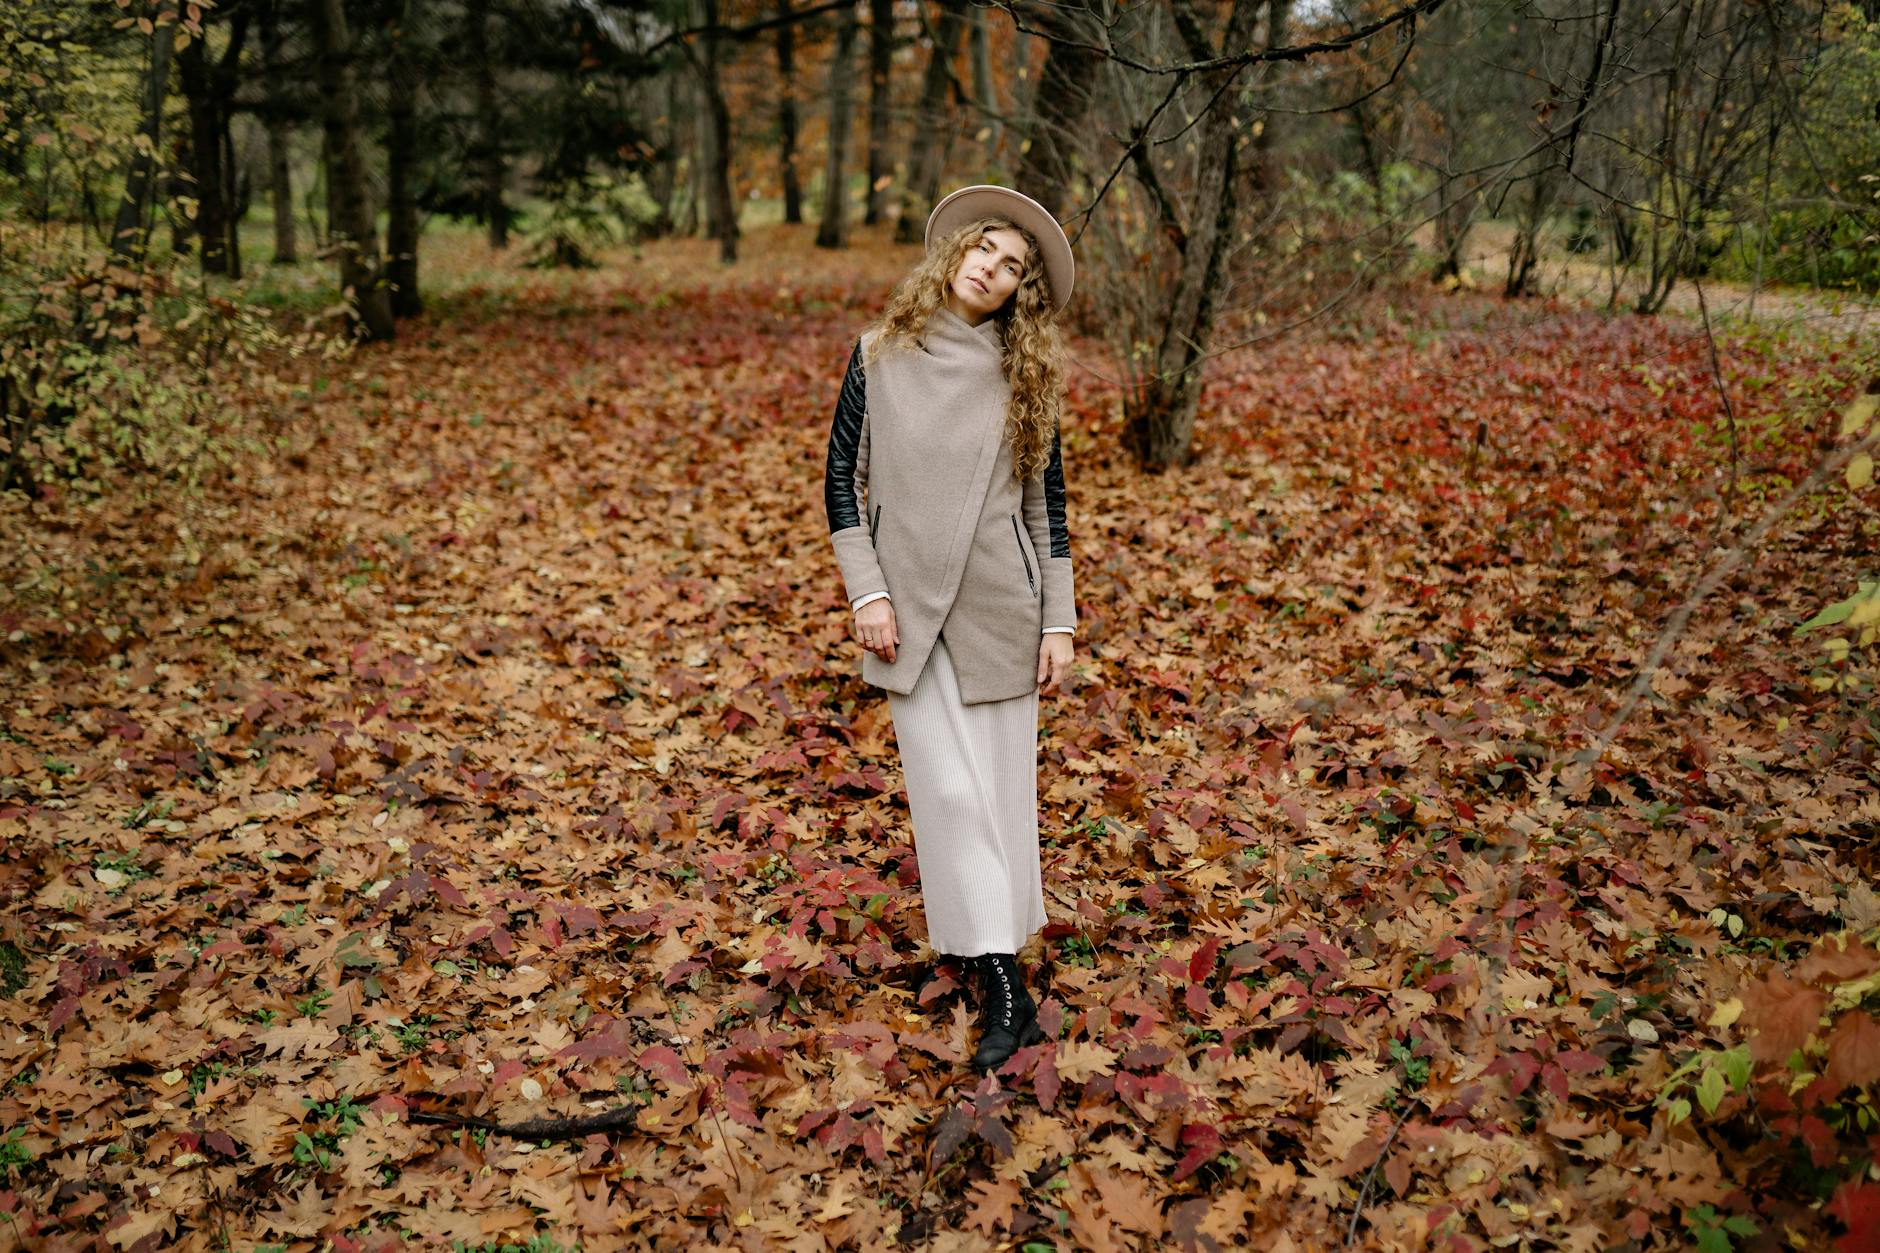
(724,212)
(687,85)
(355,236)
(1455,215)
(1024,85)
(880,63)
(665,176)
(1059,105)
(933,127)
(128,234)
(985,91)
(1159,420)
(205,153)
(1524,255)
(401,152)
(210,88)
(234,195)
(487,153)
(274,118)
(834,231)
(699,208)
(786,115)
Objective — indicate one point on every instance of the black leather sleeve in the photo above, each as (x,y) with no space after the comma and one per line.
(1054,499)
(845,437)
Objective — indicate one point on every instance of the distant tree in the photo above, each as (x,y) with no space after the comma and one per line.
(276,119)
(209,85)
(128,232)
(354,235)
(935,123)
(401,156)
(786,115)
(1061,101)
(834,229)
(722,213)
(880,106)
(487,150)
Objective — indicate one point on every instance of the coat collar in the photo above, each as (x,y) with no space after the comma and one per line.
(987,330)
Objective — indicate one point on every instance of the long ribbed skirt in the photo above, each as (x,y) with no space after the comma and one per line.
(972,792)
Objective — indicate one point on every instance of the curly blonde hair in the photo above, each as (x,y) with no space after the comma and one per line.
(1034,352)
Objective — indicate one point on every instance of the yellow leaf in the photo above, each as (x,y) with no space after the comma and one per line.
(1079,1061)
(1856,416)
(1860,471)
(1727,1013)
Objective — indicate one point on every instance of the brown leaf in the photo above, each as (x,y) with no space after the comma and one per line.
(992,1202)
(1780,1014)
(1838,959)
(1854,1050)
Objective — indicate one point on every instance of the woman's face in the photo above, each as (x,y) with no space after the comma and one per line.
(987,275)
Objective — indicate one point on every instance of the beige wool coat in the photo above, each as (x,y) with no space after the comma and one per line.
(940,523)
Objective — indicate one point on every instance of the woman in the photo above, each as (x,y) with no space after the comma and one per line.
(945,494)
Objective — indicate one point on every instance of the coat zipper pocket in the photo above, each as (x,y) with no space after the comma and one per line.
(876,524)
(1029,581)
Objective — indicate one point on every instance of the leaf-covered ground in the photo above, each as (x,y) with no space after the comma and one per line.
(498,748)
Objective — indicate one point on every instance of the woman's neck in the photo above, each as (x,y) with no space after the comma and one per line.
(952,302)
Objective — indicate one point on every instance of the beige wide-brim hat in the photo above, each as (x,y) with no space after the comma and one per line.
(988,200)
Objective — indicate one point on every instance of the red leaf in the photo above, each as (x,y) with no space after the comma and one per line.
(663,1062)
(1579,1061)
(1203,1143)
(1857,1204)
(61,1012)
(1045,1079)
(1201,965)
(1521,1068)
(600,1044)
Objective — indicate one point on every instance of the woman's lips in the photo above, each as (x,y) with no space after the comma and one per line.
(981,286)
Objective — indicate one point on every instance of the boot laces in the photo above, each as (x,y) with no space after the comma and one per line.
(1005,993)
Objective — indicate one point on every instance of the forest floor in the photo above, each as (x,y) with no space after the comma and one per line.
(1594,282)
(494,744)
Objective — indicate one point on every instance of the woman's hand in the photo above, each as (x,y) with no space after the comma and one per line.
(876,628)
(1054,658)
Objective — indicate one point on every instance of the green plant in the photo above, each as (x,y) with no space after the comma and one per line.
(14,1155)
(1076,949)
(342,1117)
(1710,1076)
(1416,1070)
(413,1035)
(587,212)
(1712,1231)
(12,969)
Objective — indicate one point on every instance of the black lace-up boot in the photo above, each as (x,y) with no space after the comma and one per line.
(1008,1019)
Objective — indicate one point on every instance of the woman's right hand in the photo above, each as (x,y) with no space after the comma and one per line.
(876,629)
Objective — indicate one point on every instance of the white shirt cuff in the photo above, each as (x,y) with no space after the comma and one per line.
(1064,630)
(865,599)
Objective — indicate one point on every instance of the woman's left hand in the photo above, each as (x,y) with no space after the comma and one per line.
(1054,659)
